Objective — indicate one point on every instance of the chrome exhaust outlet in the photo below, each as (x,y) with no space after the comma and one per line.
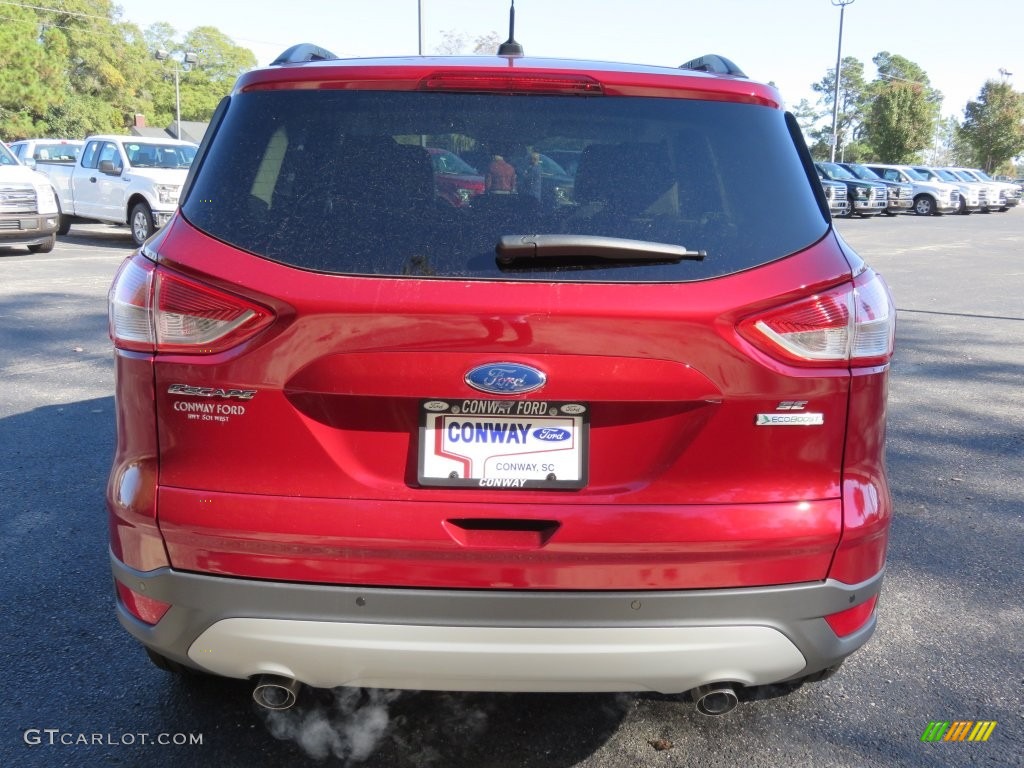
(714,700)
(276,692)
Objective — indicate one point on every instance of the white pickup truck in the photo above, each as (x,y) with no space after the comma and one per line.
(122,180)
(28,209)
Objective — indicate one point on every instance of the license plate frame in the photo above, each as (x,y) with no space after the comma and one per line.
(537,444)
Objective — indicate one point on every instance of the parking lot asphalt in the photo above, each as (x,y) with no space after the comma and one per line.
(951,617)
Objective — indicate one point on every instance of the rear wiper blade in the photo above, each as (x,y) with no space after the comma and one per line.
(516,248)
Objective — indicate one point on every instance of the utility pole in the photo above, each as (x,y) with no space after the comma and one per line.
(419,24)
(841,4)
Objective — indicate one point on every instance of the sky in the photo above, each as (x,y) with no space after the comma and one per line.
(792,43)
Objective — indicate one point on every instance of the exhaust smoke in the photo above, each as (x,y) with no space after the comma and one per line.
(346,723)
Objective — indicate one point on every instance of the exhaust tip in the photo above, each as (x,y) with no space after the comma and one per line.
(715,700)
(275,692)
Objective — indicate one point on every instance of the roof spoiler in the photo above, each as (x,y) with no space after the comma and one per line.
(714,63)
(303,52)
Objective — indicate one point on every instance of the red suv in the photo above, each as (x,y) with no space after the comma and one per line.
(369,438)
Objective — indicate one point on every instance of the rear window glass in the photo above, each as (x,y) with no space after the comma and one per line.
(425,184)
(56,153)
(159,155)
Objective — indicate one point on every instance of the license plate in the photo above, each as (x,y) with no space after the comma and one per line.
(503,444)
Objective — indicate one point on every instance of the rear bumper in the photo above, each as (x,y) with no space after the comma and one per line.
(484,640)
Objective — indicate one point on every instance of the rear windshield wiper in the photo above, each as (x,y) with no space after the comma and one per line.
(512,249)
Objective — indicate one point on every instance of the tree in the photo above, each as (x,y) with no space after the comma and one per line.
(892,67)
(106,62)
(31,80)
(947,145)
(993,125)
(220,64)
(900,121)
(78,69)
(853,98)
(455,43)
(487,45)
(201,85)
(816,133)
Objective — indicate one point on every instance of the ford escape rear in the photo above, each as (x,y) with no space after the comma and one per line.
(629,441)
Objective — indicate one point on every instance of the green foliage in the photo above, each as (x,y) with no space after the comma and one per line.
(852,102)
(79,69)
(31,80)
(903,111)
(900,122)
(993,125)
(892,67)
(207,82)
(947,146)
(896,118)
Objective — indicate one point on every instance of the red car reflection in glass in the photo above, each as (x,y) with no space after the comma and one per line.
(455,180)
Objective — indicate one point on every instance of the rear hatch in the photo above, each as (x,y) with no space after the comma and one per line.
(364,383)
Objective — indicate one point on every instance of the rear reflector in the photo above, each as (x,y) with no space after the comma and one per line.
(141,607)
(513,82)
(154,310)
(849,621)
(854,322)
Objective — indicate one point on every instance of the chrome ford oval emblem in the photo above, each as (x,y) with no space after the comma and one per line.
(505,378)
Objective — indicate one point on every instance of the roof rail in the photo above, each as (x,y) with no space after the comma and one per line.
(712,62)
(303,52)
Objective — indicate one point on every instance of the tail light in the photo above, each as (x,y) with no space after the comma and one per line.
(853,323)
(152,309)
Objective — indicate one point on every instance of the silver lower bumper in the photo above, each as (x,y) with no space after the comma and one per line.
(495,640)
(329,654)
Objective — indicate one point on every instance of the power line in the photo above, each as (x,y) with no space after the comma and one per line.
(56,10)
(904,80)
(87,30)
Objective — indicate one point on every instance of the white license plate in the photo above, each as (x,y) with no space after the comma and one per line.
(503,444)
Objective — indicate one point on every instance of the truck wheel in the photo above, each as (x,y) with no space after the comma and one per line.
(44,247)
(141,223)
(63,222)
(924,205)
